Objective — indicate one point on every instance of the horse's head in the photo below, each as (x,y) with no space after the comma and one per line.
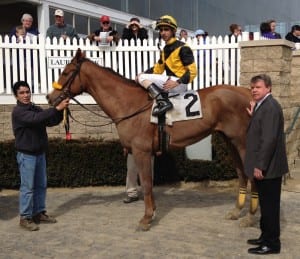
(68,84)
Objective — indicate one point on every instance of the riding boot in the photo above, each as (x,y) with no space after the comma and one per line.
(163,102)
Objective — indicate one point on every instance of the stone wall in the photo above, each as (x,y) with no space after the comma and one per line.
(277,59)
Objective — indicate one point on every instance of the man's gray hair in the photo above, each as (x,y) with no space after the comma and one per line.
(26,16)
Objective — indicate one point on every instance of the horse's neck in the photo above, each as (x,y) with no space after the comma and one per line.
(112,93)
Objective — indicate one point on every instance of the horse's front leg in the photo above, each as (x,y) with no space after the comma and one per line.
(145,174)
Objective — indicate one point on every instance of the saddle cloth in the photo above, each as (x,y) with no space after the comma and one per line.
(186,106)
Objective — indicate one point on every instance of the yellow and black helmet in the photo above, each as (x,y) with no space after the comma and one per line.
(166,20)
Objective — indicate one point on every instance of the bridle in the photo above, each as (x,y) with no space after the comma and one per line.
(66,93)
(66,87)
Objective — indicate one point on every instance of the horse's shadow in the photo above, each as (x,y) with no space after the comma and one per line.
(167,198)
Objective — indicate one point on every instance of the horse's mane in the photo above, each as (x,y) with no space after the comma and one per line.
(127,81)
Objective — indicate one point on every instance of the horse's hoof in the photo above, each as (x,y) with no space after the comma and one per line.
(145,223)
(233,214)
(143,227)
(247,221)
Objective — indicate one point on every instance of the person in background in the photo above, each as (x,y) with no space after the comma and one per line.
(200,34)
(27,22)
(201,37)
(265,31)
(273,29)
(294,34)
(134,30)
(266,162)
(29,124)
(183,35)
(132,179)
(60,28)
(20,33)
(105,35)
(176,59)
(235,31)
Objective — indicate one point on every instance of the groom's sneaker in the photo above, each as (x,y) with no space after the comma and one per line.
(43,218)
(130,199)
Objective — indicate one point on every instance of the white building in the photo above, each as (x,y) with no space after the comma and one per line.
(214,16)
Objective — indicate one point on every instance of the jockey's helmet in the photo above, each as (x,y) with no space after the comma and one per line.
(166,20)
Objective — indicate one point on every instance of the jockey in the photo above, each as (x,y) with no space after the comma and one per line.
(176,59)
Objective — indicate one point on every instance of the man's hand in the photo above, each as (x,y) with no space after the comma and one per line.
(258,174)
(63,104)
(251,109)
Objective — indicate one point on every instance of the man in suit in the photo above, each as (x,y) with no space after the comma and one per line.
(266,162)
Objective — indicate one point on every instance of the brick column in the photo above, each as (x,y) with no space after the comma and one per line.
(275,58)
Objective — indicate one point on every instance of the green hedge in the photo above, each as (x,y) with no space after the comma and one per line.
(87,162)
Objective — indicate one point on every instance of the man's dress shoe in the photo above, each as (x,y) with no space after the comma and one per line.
(256,242)
(263,250)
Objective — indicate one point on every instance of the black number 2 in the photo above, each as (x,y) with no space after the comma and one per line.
(188,111)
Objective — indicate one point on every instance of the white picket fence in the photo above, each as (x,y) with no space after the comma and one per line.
(40,61)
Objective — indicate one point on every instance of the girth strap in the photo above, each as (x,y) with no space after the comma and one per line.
(163,137)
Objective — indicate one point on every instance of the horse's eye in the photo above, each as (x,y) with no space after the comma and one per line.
(64,74)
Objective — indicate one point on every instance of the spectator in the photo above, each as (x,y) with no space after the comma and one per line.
(26,21)
(265,31)
(134,30)
(201,37)
(183,35)
(20,33)
(105,34)
(29,127)
(200,34)
(60,29)
(273,28)
(235,31)
(294,34)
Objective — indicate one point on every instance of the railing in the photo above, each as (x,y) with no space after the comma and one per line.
(40,61)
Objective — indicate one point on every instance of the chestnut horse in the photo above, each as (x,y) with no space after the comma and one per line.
(129,107)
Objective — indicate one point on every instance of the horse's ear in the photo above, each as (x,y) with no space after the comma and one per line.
(79,54)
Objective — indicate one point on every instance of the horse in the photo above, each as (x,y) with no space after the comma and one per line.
(129,107)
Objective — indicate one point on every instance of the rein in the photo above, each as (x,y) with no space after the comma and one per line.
(67,93)
(113,120)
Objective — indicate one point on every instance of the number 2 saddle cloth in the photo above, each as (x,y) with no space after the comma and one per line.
(186,106)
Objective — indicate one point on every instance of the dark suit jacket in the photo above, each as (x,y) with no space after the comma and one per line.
(265,142)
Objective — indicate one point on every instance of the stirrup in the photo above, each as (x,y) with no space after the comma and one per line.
(162,108)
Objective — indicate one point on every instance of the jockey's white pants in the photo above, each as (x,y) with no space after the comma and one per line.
(147,79)
(132,176)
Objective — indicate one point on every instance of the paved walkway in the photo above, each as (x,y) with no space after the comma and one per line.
(95,223)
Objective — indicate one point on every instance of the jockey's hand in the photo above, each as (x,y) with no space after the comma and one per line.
(169,84)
